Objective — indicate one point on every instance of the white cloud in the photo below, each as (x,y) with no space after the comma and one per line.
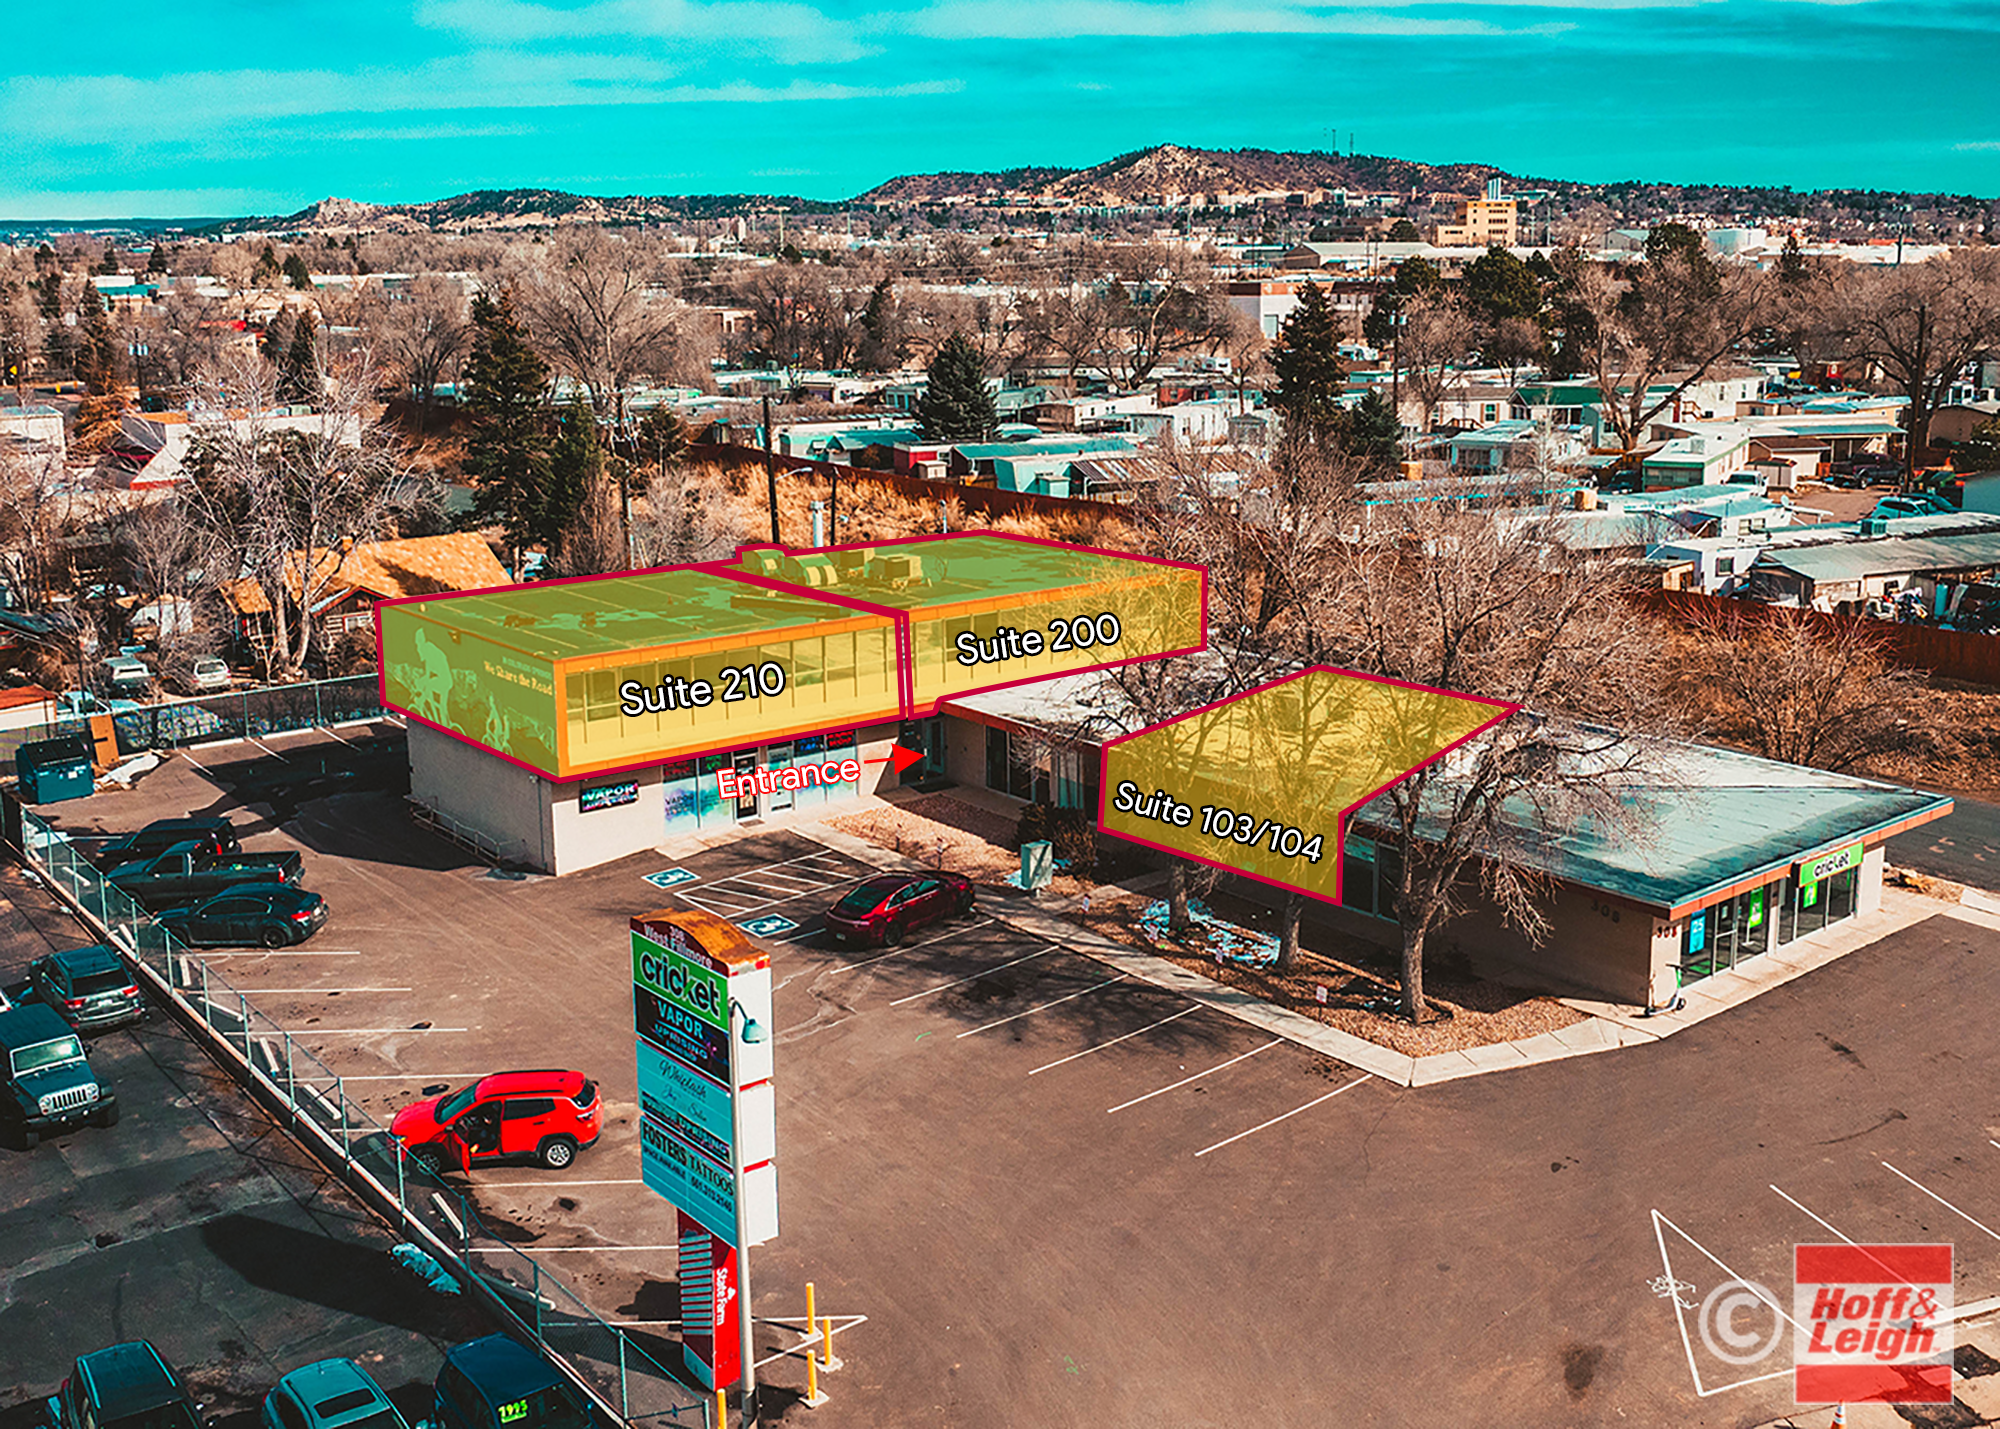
(208,105)
(1070,19)
(779,30)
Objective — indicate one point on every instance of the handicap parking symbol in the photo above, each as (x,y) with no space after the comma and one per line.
(671,878)
(768,926)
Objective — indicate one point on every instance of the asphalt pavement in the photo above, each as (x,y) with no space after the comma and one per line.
(196,1223)
(1963,846)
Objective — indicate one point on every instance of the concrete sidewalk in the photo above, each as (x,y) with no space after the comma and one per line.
(1610,1025)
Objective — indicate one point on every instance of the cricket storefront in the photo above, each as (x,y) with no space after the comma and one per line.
(565,724)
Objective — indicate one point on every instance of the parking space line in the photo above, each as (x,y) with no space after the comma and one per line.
(1191,1007)
(1680,1316)
(267,749)
(1045,1006)
(1809,1213)
(306,1034)
(909,948)
(1195,1078)
(633,1181)
(1946,1204)
(413,1076)
(972,977)
(1285,1116)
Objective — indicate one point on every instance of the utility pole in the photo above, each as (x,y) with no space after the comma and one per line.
(770,471)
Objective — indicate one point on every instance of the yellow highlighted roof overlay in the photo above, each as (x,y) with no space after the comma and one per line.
(1262,783)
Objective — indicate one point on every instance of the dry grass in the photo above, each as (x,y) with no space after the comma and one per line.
(949,833)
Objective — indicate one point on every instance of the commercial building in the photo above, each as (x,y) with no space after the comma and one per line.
(1701,859)
(573,722)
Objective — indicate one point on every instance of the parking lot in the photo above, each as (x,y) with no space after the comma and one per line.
(195,1223)
(1062,1196)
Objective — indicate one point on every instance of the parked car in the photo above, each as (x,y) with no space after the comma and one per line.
(496,1383)
(1878,476)
(272,914)
(208,674)
(127,675)
(209,835)
(545,1116)
(891,906)
(51,1087)
(188,873)
(126,1386)
(90,988)
(330,1394)
(1915,503)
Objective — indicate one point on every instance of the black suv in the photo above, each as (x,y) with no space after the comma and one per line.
(49,1085)
(211,835)
(496,1383)
(124,1387)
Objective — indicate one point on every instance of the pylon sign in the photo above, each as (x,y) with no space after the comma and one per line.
(701,1085)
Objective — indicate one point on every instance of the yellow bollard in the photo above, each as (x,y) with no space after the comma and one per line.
(809,1312)
(828,1363)
(814,1399)
(721,1408)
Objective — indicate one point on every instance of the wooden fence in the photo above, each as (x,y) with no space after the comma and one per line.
(983,500)
(1957,654)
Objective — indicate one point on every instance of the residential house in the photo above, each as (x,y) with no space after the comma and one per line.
(1703,457)
(1878,559)
(1518,446)
(348,582)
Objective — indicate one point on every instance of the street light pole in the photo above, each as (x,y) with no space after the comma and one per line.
(770,471)
(752,1032)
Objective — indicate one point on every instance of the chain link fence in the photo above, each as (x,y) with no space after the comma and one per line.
(623,1375)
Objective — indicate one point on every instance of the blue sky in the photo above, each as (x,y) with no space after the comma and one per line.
(189,107)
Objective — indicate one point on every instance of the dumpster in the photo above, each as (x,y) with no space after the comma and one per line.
(54,769)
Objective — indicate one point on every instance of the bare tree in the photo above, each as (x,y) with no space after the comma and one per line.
(1446,597)
(1659,330)
(1922,324)
(603,307)
(425,330)
(38,511)
(1432,341)
(281,502)
(1803,687)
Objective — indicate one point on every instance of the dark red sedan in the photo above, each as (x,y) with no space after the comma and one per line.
(891,906)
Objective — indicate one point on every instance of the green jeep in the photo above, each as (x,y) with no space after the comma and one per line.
(50,1087)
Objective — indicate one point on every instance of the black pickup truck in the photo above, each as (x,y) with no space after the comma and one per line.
(189,872)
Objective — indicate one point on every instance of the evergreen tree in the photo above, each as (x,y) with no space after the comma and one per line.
(277,339)
(1413,275)
(109,264)
(1539,265)
(1311,376)
(1375,435)
(1499,286)
(297,274)
(267,267)
(576,467)
(882,343)
(99,355)
(506,389)
(157,263)
(298,368)
(1404,231)
(956,407)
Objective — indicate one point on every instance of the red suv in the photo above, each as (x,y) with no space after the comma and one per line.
(510,1116)
(890,906)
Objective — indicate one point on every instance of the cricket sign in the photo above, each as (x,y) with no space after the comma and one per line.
(696,982)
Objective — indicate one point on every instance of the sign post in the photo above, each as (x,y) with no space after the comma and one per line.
(701,1007)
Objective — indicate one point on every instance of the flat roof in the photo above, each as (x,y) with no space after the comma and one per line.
(561,620)
(972,567)
(1698,820)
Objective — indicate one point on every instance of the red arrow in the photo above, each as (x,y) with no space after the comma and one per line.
(899,757)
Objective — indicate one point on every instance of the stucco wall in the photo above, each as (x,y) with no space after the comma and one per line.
(502,802)
(583,840)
